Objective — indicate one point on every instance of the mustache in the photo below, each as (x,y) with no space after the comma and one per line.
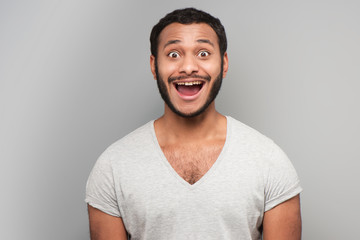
(172,79)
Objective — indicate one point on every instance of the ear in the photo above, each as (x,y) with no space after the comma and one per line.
(225,64)
(152,65)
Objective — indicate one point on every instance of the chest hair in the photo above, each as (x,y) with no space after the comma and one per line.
(192,162)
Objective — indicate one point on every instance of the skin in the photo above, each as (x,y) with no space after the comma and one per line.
(284,221)
(183,54)
(104,226)
(186,50)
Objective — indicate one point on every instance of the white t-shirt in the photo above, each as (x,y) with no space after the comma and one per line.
(133,180)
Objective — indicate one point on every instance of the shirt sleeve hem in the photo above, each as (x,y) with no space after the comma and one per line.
(284,197)
(94,203)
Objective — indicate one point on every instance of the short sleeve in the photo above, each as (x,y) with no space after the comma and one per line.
(100,187)
(281,180)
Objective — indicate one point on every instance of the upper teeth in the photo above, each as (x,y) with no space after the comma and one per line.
(189,83)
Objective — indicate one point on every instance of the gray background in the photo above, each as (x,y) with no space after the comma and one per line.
(75,77)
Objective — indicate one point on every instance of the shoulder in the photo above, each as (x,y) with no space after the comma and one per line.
(279,175)
(247,136)
(263,150)
(133,139)
(133,143)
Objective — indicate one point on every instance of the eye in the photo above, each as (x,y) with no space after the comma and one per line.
(174,55)
(203,54)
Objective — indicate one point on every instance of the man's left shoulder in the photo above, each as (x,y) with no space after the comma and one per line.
(242,132)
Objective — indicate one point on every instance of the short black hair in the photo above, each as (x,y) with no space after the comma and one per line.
(188,16)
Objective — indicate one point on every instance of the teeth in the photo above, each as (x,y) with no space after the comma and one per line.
(189,83)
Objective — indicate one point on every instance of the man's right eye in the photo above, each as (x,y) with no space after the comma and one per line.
(173,55)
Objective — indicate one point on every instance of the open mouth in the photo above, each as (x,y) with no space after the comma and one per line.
(188,88)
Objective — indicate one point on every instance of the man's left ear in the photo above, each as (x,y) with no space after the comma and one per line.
(225,64)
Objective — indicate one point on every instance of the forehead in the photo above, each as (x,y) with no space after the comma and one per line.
(187,32)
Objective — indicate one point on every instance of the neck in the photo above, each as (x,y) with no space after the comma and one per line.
(171,128)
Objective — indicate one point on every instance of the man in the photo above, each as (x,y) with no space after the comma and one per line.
(193,173)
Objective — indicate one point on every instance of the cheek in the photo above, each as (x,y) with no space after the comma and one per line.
(213,72)
(211,67)
(166,69)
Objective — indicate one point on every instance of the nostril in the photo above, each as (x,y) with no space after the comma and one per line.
(189,65)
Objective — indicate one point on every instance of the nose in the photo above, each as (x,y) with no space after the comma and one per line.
(189,65)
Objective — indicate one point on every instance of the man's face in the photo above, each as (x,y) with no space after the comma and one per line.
(189,67)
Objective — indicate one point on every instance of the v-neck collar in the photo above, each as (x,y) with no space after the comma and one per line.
(208,173)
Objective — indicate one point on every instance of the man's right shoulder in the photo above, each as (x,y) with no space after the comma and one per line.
(132,143)
(133,139)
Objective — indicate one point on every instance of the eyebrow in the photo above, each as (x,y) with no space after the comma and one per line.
(171,42)
(199,41)
(205,41)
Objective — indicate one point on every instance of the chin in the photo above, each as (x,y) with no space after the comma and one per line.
(189,113)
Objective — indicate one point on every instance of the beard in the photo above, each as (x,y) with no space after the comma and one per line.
(165,94)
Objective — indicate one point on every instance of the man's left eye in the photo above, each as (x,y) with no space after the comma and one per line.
(203,54)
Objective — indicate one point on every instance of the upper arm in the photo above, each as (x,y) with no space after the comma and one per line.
(283,222)
(104,226)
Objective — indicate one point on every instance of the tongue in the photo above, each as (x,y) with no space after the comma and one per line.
(188,90)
